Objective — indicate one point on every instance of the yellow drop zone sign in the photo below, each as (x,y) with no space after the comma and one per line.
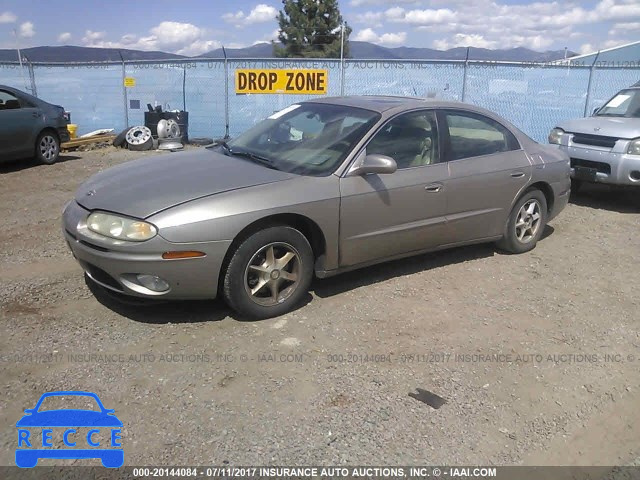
(295,81)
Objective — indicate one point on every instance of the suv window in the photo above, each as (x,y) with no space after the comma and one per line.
(410,139)
(473,135)
(8,101)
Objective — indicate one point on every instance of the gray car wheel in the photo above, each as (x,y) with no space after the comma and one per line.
(47,148)
(526,223)
(269,273)
(139,138)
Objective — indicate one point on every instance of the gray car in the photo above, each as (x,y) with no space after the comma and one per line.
(30,127)
(604,148)
(321,187)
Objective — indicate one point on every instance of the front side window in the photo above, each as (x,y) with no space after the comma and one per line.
(410,139)
(8,101)
(307,139)
(473,135)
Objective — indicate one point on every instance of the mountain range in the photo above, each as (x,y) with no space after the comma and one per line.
(358,50)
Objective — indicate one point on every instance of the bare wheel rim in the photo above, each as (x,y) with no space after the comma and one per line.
(273,274)
(528,221)
(48,147)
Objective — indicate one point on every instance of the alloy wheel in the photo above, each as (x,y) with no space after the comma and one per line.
(273,274)
(528,221)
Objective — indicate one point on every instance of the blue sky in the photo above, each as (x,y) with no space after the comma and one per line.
(192,27)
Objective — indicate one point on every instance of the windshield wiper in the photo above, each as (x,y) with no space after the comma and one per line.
(267,162)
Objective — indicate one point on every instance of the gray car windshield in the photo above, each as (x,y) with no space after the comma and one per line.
(306,139)
(626,103)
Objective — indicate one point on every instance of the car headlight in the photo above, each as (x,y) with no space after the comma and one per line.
(120,228)
(634,147)
(555,137)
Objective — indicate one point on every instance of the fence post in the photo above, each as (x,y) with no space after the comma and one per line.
(226,94)
(464,76)
(342,59)
(32,79)
(124,93)
(588,99)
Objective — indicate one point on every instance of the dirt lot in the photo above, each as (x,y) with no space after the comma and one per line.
(516,345)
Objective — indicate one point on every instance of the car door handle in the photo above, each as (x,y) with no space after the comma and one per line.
(434,187)
(517,174)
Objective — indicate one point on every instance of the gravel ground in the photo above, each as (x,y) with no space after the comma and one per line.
(515,345)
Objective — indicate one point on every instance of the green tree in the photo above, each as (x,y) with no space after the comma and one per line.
(311,29)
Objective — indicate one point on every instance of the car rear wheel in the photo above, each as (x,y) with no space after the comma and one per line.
(526,223)
(47,148)
(269,273)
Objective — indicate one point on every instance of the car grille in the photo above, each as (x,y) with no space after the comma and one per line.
(599,166)
(594,140)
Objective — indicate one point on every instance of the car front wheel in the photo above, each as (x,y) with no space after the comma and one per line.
(269,273)
(47,148)
(526,223)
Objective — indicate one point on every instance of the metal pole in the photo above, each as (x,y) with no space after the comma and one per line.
(184,86)
(226,94)
(342,59)
(124,93)
(24,81)
(32,79)
(588,99)
(464,76)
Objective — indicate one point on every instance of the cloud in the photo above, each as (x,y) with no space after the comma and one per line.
(259,14)
(175,37)
(386,39)
(64,37)
(26,30)
(421,17)
(463,40)
(7,17)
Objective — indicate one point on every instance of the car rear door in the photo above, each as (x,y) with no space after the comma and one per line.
(487,169)
(386,215)
(19,121)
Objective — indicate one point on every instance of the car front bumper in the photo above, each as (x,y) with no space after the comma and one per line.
(115,264)
(601,166)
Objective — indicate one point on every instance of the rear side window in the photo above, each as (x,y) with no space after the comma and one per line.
(473,135)
(8,101)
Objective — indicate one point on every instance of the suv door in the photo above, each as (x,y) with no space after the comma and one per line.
(487,168)
(18,121)
(383,216)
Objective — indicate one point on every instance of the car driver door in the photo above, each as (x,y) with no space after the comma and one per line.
(386,215)
(18,120)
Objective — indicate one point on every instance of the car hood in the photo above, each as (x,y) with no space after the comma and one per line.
(69,418)
(619,127)
(144,187)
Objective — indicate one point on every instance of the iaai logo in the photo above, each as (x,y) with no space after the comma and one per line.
(84,433)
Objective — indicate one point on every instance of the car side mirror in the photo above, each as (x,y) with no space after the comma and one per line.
(374,163)
(595,110)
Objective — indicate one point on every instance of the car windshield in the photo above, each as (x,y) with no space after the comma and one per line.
(306,139)
(625,104)
(69,402)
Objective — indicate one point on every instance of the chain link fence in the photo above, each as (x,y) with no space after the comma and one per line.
(533,96)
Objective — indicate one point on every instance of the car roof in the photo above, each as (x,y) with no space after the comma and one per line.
(383,103)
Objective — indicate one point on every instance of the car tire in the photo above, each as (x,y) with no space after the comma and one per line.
(47,148)
(526,223)
(281,259)
(121,138)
